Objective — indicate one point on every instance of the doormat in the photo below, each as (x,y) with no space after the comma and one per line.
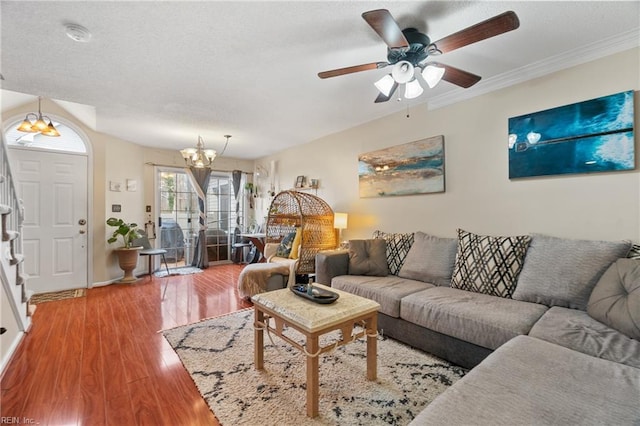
(184,270)
(57,295)
(218,354)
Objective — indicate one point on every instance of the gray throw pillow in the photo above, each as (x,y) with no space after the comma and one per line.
(563,272)
(368,257)
(615,300)
(430,259)
(487,264)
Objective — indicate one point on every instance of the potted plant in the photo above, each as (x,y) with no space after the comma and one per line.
(127,254)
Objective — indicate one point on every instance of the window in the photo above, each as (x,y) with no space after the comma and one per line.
(68,141)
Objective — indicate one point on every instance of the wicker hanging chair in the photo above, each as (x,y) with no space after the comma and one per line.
(291,209)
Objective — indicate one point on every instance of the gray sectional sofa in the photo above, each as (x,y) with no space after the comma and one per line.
(550,327)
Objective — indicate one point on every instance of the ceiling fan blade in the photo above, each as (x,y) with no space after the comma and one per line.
(457,76)
(387,28)
(350,70)
(383,98)
(497,25)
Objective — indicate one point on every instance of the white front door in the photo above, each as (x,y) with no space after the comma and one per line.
(53,187)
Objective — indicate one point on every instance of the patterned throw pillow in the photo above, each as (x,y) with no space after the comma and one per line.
(398,245)
(489,265)
(634,253)
(284,249)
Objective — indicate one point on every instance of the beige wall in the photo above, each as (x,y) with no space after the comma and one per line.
(118,161)
(479,196)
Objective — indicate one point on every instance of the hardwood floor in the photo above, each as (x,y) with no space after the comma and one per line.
(99,360)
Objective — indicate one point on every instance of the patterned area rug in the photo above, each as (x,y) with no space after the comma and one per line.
(218,354)
(57,295)
(184,270)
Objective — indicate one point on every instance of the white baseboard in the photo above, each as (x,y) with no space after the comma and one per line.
(12,349)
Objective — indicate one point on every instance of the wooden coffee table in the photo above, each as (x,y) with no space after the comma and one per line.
(313,320)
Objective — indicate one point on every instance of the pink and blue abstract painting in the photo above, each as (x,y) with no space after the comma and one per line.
(591,136)
(412,168)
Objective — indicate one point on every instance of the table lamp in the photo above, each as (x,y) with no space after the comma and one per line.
(340,223)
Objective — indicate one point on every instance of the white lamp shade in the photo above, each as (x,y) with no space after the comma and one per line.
(402,72)
(432,75)
(385,84)
(413,89)
(340,220)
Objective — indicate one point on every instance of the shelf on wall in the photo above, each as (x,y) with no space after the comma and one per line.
(307,188)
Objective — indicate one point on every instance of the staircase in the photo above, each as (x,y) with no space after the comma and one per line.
(14,281)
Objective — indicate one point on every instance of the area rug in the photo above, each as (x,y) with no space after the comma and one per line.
(57,295)
(218,354)
(183,270)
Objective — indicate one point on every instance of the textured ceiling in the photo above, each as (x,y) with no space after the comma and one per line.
(161,73)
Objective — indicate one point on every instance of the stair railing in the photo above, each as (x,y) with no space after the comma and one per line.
(9,198)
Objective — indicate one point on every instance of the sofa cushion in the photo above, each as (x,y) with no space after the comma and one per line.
(387,291)
(615,299)
(488,265)
(486,321)
(430,259)
(576,330)
(398,246)
(368,257)
(532,382)
(563,272)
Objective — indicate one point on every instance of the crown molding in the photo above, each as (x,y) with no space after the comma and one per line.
(590,52)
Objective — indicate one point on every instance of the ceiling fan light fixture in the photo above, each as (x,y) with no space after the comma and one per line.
(413,89)
(402,72)
(385,84)
(432,74)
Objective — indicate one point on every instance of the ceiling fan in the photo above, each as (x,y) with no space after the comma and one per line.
(408,50)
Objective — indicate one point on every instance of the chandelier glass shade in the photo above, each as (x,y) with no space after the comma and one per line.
(198,157)
(39,123)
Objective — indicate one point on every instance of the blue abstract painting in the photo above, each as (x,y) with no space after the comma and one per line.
(590,136)
(411,168)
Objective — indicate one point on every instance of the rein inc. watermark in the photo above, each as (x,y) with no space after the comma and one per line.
(17,421)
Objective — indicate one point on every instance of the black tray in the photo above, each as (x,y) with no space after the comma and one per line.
(319,295)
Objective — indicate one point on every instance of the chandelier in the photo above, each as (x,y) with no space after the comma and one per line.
(199,157)
(39,125)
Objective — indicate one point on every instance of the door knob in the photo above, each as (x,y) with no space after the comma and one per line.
(82,231)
